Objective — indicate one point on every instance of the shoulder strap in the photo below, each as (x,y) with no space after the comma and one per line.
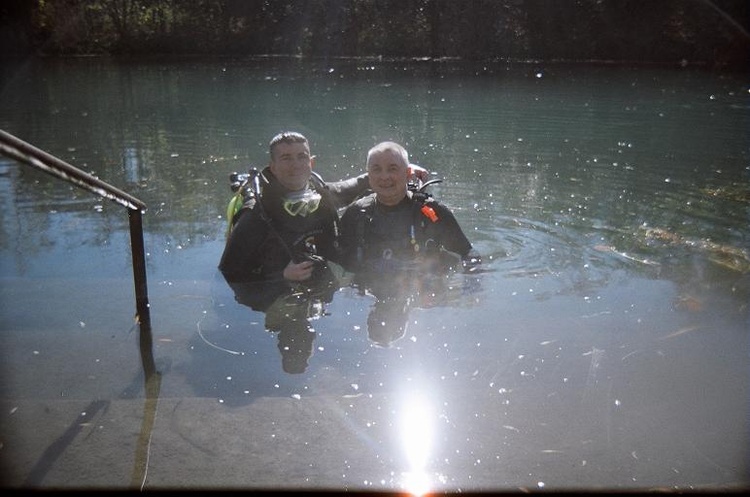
(256,192)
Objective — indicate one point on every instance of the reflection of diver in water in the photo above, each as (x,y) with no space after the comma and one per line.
(289,309)
(290,317)
(398,234)
(396,294)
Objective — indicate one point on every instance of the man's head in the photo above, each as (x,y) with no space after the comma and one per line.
(290,160)
(388,172)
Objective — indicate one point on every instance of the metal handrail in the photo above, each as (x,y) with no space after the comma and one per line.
(17,149)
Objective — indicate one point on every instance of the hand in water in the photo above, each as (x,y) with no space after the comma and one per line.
(299,271)
(418,172)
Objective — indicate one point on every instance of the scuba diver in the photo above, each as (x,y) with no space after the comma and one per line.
(400,244)
(396,228)
(283,220)
(281,238)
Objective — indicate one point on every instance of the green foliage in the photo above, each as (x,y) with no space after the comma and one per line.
(667,31)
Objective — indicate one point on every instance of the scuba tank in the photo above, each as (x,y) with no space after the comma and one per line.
(246,187)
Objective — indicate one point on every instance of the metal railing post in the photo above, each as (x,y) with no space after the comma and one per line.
(139,268)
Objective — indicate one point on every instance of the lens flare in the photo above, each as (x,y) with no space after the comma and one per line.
(417,434)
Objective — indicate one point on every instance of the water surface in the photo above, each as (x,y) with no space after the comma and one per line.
(604,343)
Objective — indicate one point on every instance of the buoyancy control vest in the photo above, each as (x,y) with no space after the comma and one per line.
(298,222)
(400,237)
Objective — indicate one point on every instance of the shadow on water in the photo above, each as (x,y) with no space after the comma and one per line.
(149,383)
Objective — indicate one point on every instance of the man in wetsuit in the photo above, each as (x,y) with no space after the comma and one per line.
(283,235)
(396,229)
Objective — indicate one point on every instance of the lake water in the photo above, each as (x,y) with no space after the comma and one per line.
(603,344)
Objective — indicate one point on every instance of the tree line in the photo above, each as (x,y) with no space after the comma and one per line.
(708,32)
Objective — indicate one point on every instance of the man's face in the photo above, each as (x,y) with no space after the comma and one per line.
(292,164)
(388,175)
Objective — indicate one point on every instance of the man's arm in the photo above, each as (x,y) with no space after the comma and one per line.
(346,191)
(454,239)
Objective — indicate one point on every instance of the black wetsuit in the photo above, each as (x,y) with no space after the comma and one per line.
(418,233)
(266,237)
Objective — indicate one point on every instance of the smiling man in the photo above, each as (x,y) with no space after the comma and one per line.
(395,228)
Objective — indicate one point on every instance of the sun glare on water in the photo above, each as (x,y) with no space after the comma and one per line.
(417,437)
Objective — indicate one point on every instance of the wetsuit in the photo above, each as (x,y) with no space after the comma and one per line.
(285,226)
(418,233)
